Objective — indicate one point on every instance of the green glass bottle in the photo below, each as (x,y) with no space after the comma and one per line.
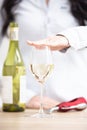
(14,75)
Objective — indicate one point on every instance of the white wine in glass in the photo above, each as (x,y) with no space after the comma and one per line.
(41,71)
(41,66)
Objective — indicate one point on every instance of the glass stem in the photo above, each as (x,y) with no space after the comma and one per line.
(41,111)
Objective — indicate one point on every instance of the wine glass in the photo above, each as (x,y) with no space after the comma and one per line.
(41,66)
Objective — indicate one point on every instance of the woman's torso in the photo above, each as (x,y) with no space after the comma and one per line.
(38,21)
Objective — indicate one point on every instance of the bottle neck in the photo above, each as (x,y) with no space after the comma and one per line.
(13,39)
(14,34)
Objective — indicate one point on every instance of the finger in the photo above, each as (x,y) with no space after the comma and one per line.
(29,42)
(36,44)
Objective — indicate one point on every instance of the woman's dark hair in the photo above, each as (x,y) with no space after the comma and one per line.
(7,13)
(78,9)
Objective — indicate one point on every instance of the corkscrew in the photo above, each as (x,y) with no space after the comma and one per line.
(77,104)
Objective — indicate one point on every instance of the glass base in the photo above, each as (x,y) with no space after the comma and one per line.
(42,115)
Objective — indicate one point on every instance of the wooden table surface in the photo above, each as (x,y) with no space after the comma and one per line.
(72,120)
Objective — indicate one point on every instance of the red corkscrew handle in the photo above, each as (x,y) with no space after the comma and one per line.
(75,104)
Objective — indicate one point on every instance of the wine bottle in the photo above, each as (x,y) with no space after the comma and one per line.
(13,75)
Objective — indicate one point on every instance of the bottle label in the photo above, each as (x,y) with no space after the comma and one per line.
(14,33)
(7,89)
(23,89)
(7,96)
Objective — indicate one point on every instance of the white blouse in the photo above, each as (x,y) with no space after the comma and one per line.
(37,21)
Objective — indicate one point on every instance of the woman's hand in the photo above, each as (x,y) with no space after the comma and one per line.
(34,103)
(59,42)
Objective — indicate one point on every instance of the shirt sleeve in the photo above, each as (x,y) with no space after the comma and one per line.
(77,37)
